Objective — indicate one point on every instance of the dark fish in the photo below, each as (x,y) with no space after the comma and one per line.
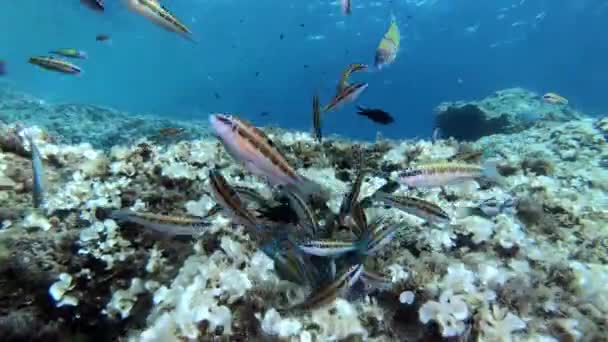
(2,68)
(316,118)
(264,113)
(97,5)
(257,73)
(217,96)
(171,131)
(281,36)
(376,115)
(102,37)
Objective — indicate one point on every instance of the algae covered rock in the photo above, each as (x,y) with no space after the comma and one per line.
(506,111)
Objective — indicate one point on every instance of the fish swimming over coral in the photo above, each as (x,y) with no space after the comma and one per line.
(250,146)
(387,50)
(316,118)
(414,206)
(348,94)
(70,52)
(55,64)
(39,179)
(376,115)
(447,173)
(554,98)
(328,293)
(230,201)
(2,68)
(165,224)
(156,13)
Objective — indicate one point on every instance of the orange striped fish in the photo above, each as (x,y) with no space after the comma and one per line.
(348,94)
(250,146)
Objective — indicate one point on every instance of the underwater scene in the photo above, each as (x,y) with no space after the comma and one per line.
(325,170)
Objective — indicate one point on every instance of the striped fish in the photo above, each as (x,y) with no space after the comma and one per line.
(306,217)
(229,199)
(346,74)
(166,224)
(440,174)
(349,94)
(426,210)
(155,12)
(380,236)
(327,247)
(55,64)
(39,186)
(250,146)
(316,118)
(327,294)
(71,53)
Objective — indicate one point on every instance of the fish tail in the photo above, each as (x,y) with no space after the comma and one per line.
(490,171)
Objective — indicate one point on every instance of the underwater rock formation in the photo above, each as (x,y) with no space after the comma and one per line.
(506,111)
(99,126)
(532,271)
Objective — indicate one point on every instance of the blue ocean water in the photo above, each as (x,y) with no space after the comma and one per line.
(450,50)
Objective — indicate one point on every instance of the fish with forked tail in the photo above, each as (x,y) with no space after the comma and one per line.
(250,146)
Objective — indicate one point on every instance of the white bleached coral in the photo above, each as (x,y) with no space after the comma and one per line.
(59,290)
(274,324)
(449,312)
(499,325)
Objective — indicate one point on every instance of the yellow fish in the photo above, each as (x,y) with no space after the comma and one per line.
(155,12)
(387,50)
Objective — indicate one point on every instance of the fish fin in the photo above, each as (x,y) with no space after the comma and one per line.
(490,171)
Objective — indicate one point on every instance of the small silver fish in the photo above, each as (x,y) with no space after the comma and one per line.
(165,224)
(327,248)
(489,208)
(428,211)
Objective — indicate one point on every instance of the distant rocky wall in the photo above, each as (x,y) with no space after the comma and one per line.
(102,127)
(506,111)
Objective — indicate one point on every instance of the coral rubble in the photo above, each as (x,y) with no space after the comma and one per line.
(532,271)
